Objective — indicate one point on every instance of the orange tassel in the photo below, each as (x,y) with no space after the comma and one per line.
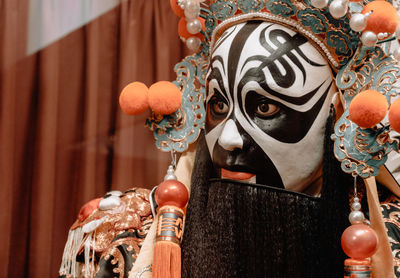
(167,260)
(167,250)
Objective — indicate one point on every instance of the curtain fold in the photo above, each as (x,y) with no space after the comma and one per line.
(63,138)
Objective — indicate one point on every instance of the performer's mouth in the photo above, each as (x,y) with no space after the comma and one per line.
(241,176)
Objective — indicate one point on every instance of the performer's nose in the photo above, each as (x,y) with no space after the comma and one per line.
(230,138)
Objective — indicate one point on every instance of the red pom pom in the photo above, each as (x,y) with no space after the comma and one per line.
(184,33)
(134,98)
(88,208)
(172,193)
(164,97)
(359,241)
(176,8)
(368,108)
(394,115)
(383,19)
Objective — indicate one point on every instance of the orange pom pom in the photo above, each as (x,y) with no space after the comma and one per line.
(164,97)
(394,115)
(184,33)
(134,98)
(368,108)
(176,8)
(383,19)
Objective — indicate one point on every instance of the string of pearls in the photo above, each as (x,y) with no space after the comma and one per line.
(193,26)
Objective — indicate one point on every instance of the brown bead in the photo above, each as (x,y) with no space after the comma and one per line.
(172,193)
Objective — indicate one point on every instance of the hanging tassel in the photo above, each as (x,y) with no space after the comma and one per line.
(172,197)
(359,242)
(357,268)
(69,265)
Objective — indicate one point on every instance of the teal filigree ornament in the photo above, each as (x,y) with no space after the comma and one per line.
(363,151)
(176,131)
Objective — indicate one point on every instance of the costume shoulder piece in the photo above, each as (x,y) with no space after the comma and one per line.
(106,238)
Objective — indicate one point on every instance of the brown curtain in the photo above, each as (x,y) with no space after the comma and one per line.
(63,138)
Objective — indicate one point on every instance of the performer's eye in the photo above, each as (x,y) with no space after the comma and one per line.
(218,106)
(265,110)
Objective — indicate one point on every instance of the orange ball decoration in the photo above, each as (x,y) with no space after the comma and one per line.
(164,97)
(184,33)
(134,98)
(359,241)
(383,19)
(394,115)
(172,193)
(368,108)
(176,8)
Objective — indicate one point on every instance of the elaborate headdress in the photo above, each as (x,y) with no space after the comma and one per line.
(358,39)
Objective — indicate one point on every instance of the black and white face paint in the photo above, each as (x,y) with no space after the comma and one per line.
(268,97)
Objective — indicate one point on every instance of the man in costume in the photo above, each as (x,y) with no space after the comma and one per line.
(268,198)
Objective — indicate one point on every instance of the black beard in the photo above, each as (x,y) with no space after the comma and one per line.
(235,229)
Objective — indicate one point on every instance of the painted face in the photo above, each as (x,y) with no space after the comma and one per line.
(268,97)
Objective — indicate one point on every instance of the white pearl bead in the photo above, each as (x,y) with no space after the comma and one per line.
(369,38)
(381,36)
(192,5)
(193,43)
(356,200)
(194,26)
(358,22)
(396,54)
(191,15)
(319,3)
(356,206)
(338,8)
(356,217)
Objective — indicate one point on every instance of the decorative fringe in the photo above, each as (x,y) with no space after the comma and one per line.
(89,260)
(69,265)
(167,260)
(167,250)
(83,236)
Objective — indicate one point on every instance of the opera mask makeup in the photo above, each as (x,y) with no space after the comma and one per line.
(268,96)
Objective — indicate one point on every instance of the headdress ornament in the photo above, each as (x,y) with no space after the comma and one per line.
(354,37)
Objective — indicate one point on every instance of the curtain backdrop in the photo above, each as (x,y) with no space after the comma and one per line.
(63,138)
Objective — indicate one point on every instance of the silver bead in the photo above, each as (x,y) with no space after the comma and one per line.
(319,3)
(194,26)
(356,206)
(356,217)
(358,22)
(170,174)
(193,43)
(338,8)
(369,38)
(356,200)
